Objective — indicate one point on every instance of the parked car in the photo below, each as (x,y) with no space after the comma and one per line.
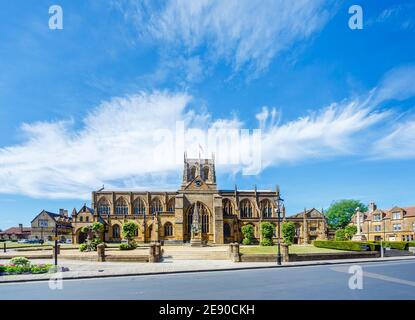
(23,241)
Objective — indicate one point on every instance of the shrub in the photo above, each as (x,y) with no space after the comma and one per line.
(20,261)
(129,230)
(345,245)
(248,234)
(2,269)
(288,232)
(267,230)
(349,232)
(83,247)
(128,246)
(340,235)
(399,245)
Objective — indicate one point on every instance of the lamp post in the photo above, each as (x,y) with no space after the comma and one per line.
(56,244)
(279,200)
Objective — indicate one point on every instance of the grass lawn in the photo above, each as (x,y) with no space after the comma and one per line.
(293,249)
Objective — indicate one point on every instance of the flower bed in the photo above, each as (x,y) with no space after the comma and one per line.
(21,265)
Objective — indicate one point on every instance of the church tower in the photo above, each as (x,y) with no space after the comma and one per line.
(199,170)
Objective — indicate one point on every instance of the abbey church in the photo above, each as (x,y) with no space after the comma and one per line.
(167,216)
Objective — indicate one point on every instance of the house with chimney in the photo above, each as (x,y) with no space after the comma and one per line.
(44,225)
(15,233)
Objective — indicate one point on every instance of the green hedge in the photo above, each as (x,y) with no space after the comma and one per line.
(346,245)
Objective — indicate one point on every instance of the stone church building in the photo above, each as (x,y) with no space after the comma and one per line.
(167,216)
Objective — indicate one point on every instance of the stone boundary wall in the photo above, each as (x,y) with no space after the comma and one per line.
(292,257)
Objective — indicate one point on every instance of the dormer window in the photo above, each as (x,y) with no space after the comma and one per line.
(377,217)
(396,215)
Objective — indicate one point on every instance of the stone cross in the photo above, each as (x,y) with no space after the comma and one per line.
(358,220)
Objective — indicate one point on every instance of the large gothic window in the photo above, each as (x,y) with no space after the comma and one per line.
(103,207)
(266,208)
(226,230)
(246,209)
(206,173)
(139,207)
(168,229)
(192,173)
(116,231)
(121,207)
(170,207)
(227,207)
(156,206)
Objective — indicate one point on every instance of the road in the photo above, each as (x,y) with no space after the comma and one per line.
(381,280)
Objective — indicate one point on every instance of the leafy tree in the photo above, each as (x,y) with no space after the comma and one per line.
(93,236)
(267,230)
(129,230)
(340,212)
(288,232)
(248,234)
(350,231)
(340,235)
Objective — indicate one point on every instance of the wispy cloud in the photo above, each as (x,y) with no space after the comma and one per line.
(116,145)
(246,34)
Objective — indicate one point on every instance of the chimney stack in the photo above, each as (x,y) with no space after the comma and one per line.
(372,207)
(21,227)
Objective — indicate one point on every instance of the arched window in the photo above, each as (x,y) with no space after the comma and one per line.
(266,208)
(227,207)
(156,206)
(103,207)
(168,229)
(203,215)
(116,231)
(139,207)
(121,207)
(170,207)
(246,209)
(226,230)
(206,173)
(192,173)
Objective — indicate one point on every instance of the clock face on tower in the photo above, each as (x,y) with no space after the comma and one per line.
(198,183)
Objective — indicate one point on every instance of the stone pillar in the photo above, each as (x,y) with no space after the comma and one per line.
(101,252)
(152,253)
(285,252)
(305,228)
(218,219)
(230,250)
(179,216)
(236,257)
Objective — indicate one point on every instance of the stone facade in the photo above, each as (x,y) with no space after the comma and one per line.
(45,223)
(167,216)
(395,224)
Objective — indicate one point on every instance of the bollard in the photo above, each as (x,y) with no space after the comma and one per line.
(236,257)
(151,253)
(230,250)
(56,251)
(285,253)
(101,252)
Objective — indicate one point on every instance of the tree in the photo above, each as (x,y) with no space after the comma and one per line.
(288,232)
(267,230)
(129,230)
(340,235)
(93,236)
(350,231)
(248,234)
(340,212)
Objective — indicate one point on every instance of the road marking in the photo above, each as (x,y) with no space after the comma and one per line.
(378,276)
(340,268)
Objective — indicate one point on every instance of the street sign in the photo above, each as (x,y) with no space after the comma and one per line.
(55,238)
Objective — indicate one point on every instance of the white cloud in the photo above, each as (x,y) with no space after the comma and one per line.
(247,34)
(117,143)
(398,144)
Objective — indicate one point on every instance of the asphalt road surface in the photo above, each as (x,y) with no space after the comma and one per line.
(381,280)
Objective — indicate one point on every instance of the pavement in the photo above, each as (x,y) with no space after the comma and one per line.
(92,269)
(381,280)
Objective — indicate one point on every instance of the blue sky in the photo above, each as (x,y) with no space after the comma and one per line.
(78,105)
